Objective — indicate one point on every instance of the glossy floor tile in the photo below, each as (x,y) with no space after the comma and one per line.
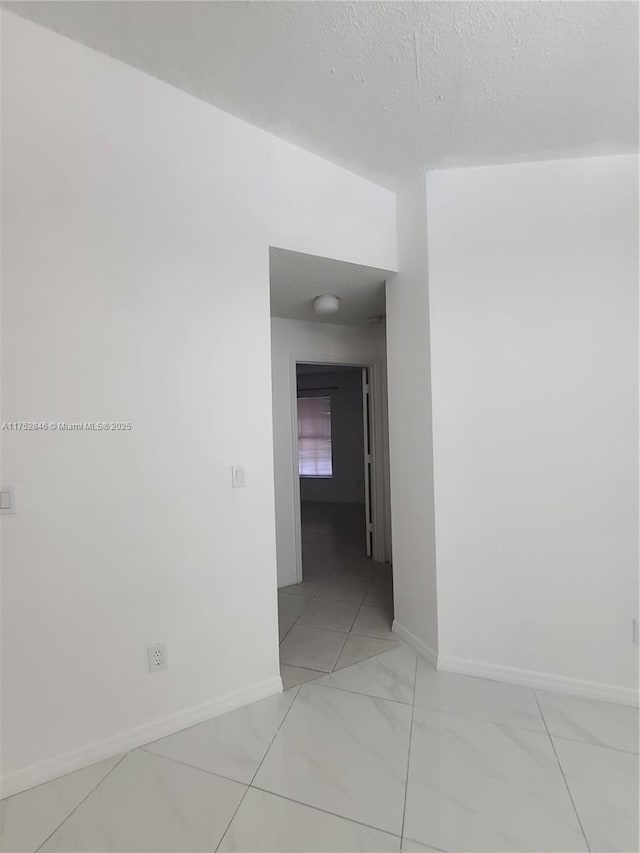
(150,803)
(289,607)
(269,824)
(373,621)
(293,675)
(326,613)
(312,648)
(232,745)
(380,593)
(345,759)
(29,818)
(343,588)
(491,701)
(390,675)
(604,786)
(357,648)
(482,787)
(599,723)
(359,568)
(283,629)
(344,753)
(409,846)
(308,589)
(338,577)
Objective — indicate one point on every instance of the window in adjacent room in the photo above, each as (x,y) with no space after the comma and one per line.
(314,437)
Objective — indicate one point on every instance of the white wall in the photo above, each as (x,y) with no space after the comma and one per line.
(533,276)
(346,485)
(136,231)
(410,438)
(314,342)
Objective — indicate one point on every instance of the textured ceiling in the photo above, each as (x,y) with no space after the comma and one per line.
(389,88)
(296,280)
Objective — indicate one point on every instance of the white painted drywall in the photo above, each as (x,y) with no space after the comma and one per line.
(291,341)
(410,439)
(135,287)
(346,485)
(533,278)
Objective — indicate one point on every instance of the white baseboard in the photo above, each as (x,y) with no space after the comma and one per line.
(36,774)
(415,643)
(540,680)
(523,677)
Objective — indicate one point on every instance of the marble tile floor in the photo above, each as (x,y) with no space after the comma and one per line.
(342,611)
(383,755)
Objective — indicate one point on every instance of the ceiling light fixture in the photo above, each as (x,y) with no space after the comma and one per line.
(323,305)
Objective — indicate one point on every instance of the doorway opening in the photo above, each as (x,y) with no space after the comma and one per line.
(334,457)
(341,610)
(331,469)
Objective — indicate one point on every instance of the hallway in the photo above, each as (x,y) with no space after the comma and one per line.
(342,611)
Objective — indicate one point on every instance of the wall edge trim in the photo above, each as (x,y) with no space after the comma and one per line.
(540,680)
(415,643)
(122,742)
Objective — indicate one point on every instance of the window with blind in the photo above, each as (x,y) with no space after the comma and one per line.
(314,437)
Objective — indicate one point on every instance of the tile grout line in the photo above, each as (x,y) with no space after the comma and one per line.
(353,623)
(335,663)
(350,630)
(232,818)
(347,635)
(186,764)
(370,585)
(481,721)
(360,607)
(428,847)
(314,683)
(321,673)
(317,595)
(555,752)
(325,811)
(222,837)
(318,628)
(306,668)
(448,713)
(355,618)
(314,597)
(293,701)
(369,657)
(83,800)
(597,745)
(406,781)
(286,633)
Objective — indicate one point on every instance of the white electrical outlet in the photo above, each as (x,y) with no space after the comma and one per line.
(157,657)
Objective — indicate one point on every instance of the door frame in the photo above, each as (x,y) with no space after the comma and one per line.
(379,496)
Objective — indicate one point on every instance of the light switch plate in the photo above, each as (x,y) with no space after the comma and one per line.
(7,502)
(238,477)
